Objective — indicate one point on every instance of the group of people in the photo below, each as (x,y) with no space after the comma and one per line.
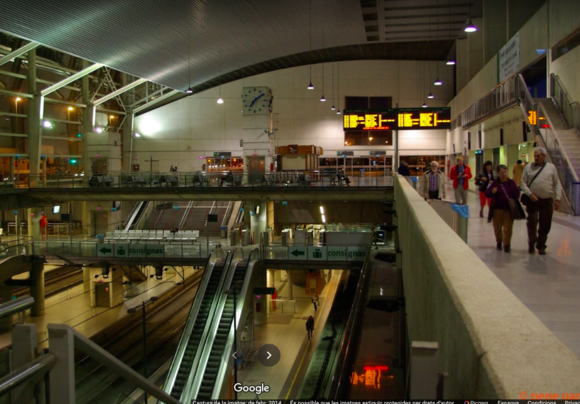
(537,184)
(173,169)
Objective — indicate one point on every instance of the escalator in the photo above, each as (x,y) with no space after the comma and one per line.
(196,328)
(136,215)
(211,373)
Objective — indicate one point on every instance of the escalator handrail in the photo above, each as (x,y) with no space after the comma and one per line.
(215,322)
(232,334)
(186,394)
(351,334)
(191,318)
(132,215)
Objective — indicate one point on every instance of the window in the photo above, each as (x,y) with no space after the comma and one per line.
(566,46)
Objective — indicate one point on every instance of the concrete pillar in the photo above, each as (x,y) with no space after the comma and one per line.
(35,113)
(23,351)
(34,230)
(87,277)
(290,290)
(494,27)
(62,375)
(5,296)
(127,142)
(37,286)
(88,118)
(461,66)
(261,304)
(475,50)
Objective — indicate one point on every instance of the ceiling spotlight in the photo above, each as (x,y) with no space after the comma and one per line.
(333,108)
(310,86)
(189,91)
(470,27)
(323,98)
(137,135)
(220,101)
(424,105)
(450,62)
(438,82)
(47,124)
(430,95)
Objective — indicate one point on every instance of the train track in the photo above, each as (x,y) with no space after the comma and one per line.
(165,320)
(56,281)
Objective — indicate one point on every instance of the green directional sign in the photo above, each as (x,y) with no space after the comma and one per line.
(104,250)
(297,253)
(317,253)
(143,250)
(357,253)
(121,250)
(336,253)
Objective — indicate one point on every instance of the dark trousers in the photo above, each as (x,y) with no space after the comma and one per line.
(539,212)
(434,194)
(309,332)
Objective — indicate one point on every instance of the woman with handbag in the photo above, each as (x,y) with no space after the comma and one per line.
(505,194)
(482,180)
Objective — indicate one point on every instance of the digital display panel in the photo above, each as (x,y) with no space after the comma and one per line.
(397,118)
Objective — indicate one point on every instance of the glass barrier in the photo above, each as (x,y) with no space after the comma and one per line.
(318,178)
(317,252)
(570,109)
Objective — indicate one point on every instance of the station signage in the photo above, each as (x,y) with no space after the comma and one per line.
(397,119)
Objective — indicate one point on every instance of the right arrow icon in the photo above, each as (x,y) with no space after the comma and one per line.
(269,355)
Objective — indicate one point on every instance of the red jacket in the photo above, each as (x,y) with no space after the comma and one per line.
(466,177)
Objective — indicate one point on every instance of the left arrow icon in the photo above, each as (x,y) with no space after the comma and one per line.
(234,355)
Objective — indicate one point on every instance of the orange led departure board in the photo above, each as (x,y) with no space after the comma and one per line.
(397,118)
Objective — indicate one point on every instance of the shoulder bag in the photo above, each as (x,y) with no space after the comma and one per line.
(516,210)
(526,199)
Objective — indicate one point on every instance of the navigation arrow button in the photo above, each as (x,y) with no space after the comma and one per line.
(269,355)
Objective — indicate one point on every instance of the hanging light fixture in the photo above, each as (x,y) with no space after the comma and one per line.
(430,95)
(310,86)
(220,100)
(438,82)
(450,62)
(470,27)
(333,108)
(338,89)
(189,89)
(323,98)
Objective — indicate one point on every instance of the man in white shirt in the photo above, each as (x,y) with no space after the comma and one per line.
(544,192)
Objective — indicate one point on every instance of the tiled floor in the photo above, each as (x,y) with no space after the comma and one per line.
(548,285)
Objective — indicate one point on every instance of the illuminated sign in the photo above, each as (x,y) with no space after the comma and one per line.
(370,377)
(397,118)
(533,117)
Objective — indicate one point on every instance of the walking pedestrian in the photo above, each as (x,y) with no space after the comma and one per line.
(483,180)
(460,174)
(542,191)
(501,191)
(310,326)
(315,302)
(432,183)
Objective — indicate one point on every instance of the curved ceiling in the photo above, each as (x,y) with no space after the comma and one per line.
(181,43)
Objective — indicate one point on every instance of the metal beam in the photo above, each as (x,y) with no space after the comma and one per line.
(70,79)
(157,100)
(119,91)
(18,52)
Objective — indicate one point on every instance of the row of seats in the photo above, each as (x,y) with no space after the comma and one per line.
(152,235)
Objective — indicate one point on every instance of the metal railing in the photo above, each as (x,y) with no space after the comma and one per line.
(511,92)
(319,178)
(570,109)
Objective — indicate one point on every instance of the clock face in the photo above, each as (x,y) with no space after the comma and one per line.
(257,100)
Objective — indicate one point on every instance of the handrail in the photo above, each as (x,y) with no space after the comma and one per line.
(215,320)
(184,217)
(111,362)
(16,306)
(238,315)
(351,334)
(132,215)
(194,378)
(191,318)
(570,109)
(32,369)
